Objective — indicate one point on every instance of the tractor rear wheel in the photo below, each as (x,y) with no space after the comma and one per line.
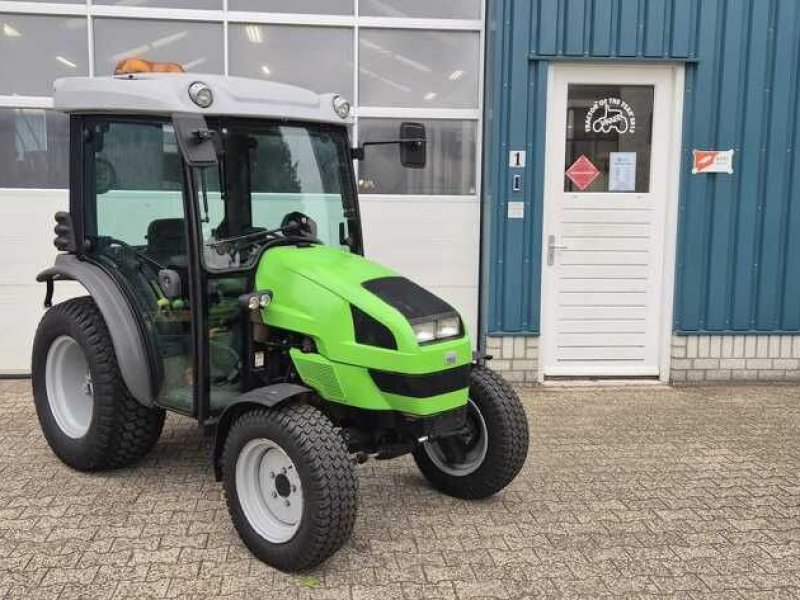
(290,485)
(86,413)
(489,455)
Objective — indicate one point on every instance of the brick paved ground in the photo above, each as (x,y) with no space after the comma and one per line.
(690,493)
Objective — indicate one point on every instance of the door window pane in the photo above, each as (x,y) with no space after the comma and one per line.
(429,9)
(609,134)
(34,148)
(319,7)
(196,4)
(136,227)
(451,159)
(418,68)
(317,58)
(49,47)
(197,46)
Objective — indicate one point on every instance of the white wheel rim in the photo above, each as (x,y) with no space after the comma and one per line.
(475,454)
(269,490)
(70,391)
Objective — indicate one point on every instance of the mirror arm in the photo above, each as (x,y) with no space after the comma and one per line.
(358,153)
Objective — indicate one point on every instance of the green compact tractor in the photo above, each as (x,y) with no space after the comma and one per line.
(214,223)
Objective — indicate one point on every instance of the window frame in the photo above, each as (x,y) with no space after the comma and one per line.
(226,17)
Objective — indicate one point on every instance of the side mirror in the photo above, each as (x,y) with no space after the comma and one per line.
(170,283)
(413,150)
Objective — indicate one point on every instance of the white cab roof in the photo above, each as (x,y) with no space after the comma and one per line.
(167,93)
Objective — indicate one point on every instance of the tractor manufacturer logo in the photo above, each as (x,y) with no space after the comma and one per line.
(450,358)
(610,114)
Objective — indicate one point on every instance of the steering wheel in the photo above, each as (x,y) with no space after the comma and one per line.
(299,224)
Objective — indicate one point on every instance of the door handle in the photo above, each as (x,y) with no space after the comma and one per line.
(551,249)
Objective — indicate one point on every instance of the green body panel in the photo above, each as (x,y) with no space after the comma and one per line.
(353,386)
(313,288)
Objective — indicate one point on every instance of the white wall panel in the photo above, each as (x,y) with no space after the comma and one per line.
(434,241)
(26,237)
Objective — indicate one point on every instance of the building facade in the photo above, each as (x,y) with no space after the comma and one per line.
(613,186)
(396,60)
(624,238)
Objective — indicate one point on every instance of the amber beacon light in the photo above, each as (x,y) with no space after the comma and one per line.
(128,66)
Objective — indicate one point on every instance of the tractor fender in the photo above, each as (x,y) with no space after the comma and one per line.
(268,396)
(129,347)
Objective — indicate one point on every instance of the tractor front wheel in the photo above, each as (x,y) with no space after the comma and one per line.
(490,453)
(290,485)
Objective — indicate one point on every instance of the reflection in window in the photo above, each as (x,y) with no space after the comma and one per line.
(319,7)
(451,159)
(36,50)
(271,52)
(428,9)
(418,68)
(183,4)
(196,46)
(34,149)
(611,126)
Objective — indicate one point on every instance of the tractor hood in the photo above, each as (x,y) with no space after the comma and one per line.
(343,273)
(320,291)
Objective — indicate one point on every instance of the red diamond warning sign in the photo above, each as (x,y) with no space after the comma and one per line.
(582,172)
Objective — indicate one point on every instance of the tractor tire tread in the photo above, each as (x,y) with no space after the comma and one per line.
(333,476)
(506,454)
(123,430)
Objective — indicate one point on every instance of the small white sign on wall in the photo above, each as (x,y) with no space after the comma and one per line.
(516,210)
(516,159)
(712,161)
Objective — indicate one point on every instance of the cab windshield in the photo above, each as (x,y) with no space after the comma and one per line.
(273,181)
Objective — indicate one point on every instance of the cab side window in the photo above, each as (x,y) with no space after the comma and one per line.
(136,183)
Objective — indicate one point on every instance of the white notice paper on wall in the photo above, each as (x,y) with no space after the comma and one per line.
(622,171)
(516,210)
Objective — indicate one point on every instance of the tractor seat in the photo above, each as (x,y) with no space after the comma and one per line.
(166,242)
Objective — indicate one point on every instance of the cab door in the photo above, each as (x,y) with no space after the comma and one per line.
(134,227)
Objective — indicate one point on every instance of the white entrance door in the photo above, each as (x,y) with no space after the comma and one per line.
(608,201)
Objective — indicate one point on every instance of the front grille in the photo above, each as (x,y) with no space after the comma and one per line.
(422,386)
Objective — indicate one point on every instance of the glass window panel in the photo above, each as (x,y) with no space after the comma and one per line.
(52,47)
(319,7)
(429,9)
(611,126)
(34,148)
(197,46)
(451,159)
(272,52)
(418,68)
(196,4)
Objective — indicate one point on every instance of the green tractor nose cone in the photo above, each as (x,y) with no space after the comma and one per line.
(371,330)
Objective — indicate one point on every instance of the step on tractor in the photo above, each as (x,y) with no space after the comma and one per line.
(214,223)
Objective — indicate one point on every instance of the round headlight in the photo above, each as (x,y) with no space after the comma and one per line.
(201,94)
(341,106)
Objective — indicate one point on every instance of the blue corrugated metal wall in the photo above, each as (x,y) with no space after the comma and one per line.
(739,236)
